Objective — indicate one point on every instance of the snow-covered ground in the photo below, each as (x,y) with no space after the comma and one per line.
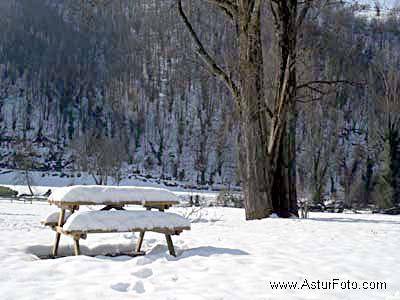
(43,181)
(222,257)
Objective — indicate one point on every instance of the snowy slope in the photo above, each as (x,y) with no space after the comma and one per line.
(222,257)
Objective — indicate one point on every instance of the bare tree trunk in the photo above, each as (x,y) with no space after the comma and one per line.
(284,122)
(284,196)
(254,161)
(292,164)
(97,181)
(28,181)
(267,159)
(269,177)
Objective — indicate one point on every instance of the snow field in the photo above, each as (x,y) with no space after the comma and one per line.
(222,257)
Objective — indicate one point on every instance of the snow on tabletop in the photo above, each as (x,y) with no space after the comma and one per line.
(54,216)
(123,220)
(111,194)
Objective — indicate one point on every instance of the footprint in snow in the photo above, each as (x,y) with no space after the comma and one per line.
(139,287)
(141,261)
(143,273)
(174,278)
(158,249)
(129,236)
(120,286)
(151,241)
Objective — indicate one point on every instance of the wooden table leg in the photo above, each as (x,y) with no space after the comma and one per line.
(141,237)
(171,248)
(55,245)
(58,235)
(77,248)
(140,241)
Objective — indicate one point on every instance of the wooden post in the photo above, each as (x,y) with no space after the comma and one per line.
(140,241)
(77,248)
(171,248)
(58,235)
(170,245)
(141,237)
(306,210)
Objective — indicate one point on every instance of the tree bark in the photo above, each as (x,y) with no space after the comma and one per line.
(286,24)
(268,177)
(254,162)
(267,159)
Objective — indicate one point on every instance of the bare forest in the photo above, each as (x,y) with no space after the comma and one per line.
(287,101)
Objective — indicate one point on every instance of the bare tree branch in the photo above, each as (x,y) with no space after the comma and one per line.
(262,109)
(229,8)
(255,14)
(214,68)
(327,82)
(303,12)
(317,90)
(316,99)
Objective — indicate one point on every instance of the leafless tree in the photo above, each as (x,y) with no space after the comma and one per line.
(267,151)
(100,157)
(24,160)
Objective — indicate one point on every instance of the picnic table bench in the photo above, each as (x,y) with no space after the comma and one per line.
(69,221)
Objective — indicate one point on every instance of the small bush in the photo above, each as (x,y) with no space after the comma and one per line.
(230,199)
(7,192)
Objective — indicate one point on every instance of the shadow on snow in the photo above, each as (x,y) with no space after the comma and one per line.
(123,252)
(355,220)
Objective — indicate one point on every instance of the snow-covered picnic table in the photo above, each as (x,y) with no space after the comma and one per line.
(69,221)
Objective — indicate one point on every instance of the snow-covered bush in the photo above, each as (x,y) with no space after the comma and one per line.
(230,199)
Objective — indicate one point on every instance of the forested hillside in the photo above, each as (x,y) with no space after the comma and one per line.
(119,90)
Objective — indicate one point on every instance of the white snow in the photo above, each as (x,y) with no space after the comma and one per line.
(111,194)
(123,221)
(23,189)
(44,181)
(227,258)
(54,217)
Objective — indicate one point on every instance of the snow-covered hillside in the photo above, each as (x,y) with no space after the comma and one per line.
(222,257)
(146,94)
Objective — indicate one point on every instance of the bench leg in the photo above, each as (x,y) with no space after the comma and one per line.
(140,241)
(170,245)
(141,237)
(56,243)
(77,248)
(58,235)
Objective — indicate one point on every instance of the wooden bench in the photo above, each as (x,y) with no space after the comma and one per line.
(80,224)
